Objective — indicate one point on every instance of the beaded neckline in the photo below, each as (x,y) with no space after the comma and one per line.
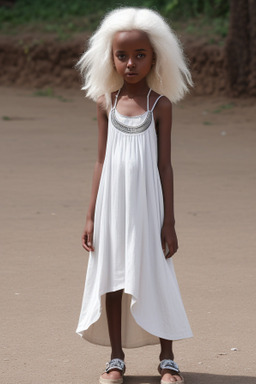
(127,128)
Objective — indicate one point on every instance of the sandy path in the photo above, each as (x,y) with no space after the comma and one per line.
(47,155)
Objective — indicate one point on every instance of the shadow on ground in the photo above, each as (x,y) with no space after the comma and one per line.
(194,378)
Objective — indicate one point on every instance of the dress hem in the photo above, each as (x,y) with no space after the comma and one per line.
(128,346)
(81,331)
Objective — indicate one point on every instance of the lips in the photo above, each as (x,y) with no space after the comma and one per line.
(131,74)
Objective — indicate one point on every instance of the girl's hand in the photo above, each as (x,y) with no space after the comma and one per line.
(87,237)
(168,235)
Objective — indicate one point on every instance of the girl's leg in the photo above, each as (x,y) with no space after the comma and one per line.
(167,353)
(166,350)
(114,309)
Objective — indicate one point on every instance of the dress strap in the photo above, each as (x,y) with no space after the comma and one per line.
(148,98)
(155,103)
(116,97)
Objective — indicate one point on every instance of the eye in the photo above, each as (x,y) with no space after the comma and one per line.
(141,55)
(121,56)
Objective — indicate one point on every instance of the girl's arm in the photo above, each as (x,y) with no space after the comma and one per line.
(87,236)
(164,125)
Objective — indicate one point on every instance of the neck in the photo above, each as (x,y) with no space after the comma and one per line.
(132,90)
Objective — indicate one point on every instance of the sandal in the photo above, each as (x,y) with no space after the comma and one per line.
(114,364)
(172,366)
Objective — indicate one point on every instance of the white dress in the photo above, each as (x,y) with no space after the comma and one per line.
(128,252)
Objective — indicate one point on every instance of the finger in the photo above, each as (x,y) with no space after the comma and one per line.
(163,245)
(88,249)
(172,250)
(168,255)
(84,245)
(87,243)
(83,241)
(90,241)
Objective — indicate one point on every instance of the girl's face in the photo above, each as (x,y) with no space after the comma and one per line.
(133,55)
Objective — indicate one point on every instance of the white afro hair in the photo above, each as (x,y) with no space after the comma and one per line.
(169,76)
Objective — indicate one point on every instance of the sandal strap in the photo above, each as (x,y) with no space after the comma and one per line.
(115,364)
(169,364)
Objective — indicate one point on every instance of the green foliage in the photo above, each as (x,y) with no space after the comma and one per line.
(193,8)
(201,16)
(66,17)
(220,26)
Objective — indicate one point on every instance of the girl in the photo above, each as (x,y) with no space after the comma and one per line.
(134,69)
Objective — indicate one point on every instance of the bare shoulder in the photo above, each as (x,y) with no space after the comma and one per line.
(101,103)
(163,108)
(164,103)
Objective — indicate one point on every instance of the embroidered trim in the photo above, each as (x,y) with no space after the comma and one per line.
(127,128)
(115,364)
(169,364)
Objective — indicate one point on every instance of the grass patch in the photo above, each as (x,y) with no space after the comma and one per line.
(224,107)
(49,92)
(6,118)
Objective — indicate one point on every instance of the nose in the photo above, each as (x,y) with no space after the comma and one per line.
(130,63)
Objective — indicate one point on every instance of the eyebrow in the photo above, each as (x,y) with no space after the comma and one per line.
(136,50)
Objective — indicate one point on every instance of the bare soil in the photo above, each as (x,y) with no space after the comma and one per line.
(41,61)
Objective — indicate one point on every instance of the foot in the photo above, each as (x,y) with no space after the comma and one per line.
(115,373)
(169,376)
(112,375)
(169,372)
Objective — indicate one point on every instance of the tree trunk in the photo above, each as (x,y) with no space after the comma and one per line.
(252,75)
(241,48)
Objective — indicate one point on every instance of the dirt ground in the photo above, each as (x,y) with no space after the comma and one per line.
(47,153)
